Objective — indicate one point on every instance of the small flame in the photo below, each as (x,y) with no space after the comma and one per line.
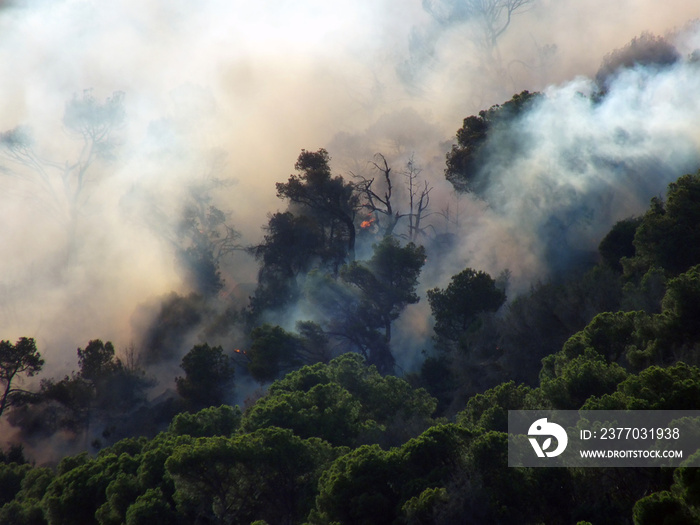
(367,223)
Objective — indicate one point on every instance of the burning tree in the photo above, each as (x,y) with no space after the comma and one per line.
(379,202)
(374,202)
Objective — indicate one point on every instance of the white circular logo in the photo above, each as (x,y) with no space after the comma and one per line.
(543,428)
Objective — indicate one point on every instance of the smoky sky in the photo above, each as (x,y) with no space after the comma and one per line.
(231,91)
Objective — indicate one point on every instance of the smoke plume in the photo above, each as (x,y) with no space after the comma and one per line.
(220,96)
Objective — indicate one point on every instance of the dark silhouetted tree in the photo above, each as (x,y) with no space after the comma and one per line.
(175,318)
(418,199)
(74,397)
(388,280)
(645,50)
(331,201)
(208,377)
(291,246)
(371,296)
(619,243)
(669,234)
(97,360)
(102,391)
(465,157)
(274,351)
(116,386)
(199,233)
(317,231)
(378,202)
(16,360)
(205,240)
(469,293)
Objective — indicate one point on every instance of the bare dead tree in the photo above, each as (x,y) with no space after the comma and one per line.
(452,218)
(62,186)
(376,203)
(419,199)
(130,358)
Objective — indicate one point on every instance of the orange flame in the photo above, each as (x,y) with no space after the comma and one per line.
(368,223)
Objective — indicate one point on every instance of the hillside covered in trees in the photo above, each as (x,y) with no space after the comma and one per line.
(363,372)
(337,438)
(337,441)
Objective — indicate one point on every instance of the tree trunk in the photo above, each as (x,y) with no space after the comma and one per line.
(3,402)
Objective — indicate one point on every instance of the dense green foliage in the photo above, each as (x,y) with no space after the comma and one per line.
(208,376)
(465,158)
(317,231)
(340,443)
(457,306)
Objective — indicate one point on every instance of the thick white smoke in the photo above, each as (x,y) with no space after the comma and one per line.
(581,165)
(233,90)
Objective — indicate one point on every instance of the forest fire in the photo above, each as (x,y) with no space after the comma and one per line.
(549,175)
(240,356)
(368,223)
